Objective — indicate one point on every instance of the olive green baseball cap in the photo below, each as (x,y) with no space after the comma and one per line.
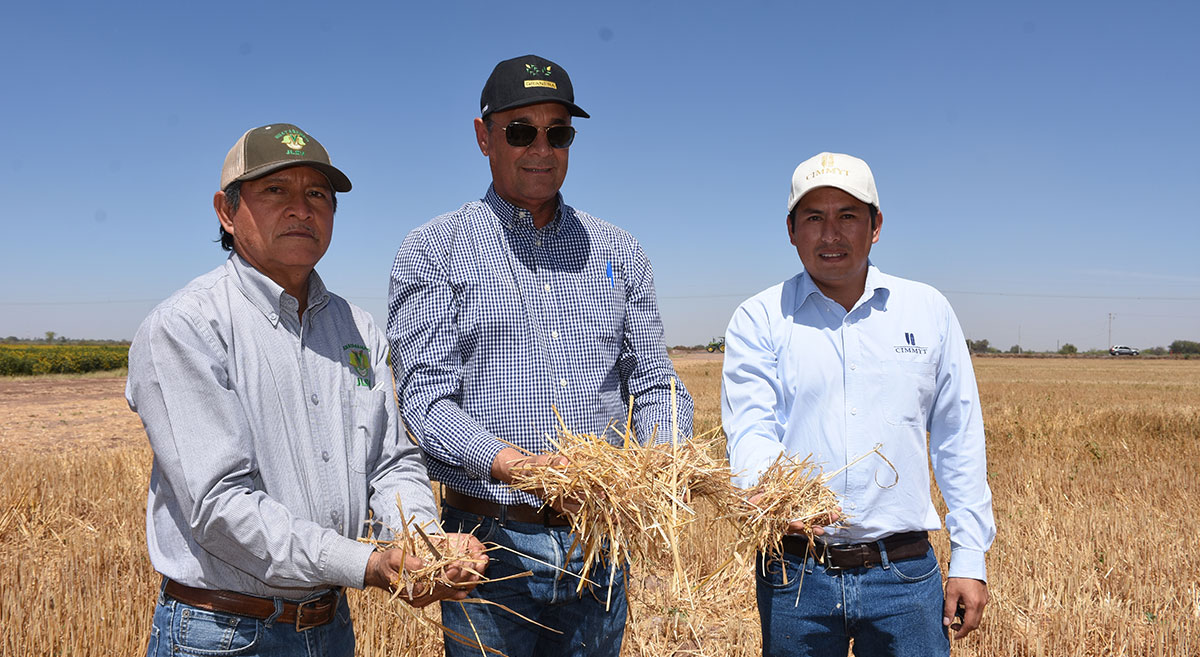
(278,146)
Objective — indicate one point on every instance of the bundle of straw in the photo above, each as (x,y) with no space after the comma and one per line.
(634,498)
(789,490)
(436,554)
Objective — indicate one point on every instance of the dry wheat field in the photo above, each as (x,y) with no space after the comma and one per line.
(1093,464)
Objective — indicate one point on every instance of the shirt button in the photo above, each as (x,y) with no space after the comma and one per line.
(537,242)
(554,334)
(273,317)
(325,455)
(853,366)
(314,399)
(547,286)
(562,382)
(854,411)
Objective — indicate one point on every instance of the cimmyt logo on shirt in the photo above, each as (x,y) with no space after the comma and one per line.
(910,346)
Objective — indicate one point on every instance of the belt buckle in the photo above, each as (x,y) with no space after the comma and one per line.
(824,556)
(300,625)
(849,551)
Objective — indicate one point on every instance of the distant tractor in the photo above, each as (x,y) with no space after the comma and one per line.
(716,344)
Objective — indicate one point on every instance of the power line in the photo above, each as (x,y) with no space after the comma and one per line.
(1070,296)
(738,295)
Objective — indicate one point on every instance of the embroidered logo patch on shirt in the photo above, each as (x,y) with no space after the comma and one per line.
(359,358)
(911,346)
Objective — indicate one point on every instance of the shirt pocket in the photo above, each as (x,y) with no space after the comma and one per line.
(908,391)
(367,425)
(603,328)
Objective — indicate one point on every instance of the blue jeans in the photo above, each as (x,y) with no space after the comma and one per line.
(181,629)
(892,609)
(547,596)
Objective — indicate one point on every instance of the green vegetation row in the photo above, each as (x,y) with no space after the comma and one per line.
(61,359)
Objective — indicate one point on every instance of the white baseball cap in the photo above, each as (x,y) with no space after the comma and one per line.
(845,172)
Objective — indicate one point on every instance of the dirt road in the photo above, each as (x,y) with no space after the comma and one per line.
(48,413)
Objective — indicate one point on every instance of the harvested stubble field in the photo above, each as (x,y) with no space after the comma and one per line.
(1093,463)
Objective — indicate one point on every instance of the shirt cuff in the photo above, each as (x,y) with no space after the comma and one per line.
(968,563)
(345,562)
(482,449)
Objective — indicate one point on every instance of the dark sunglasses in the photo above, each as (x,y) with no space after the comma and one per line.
(520,135)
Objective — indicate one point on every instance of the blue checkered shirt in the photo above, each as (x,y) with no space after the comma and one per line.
(494,323)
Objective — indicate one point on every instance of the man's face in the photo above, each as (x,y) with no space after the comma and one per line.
(530,176)
(832,233)
(284,222)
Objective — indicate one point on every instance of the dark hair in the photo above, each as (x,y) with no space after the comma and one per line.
(233,200)
(792,217)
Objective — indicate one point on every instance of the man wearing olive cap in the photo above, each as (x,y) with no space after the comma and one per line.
(269,406)
(501,312)
(832,362)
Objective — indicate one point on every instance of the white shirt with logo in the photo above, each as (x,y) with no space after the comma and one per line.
(804,376)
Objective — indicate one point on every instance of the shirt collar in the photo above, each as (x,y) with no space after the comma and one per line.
(511,216)
(267,295)
(876,283)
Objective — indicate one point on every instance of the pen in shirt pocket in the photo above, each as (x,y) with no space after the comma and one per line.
(611,282)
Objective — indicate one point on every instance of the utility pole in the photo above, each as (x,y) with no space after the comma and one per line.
(1110,319)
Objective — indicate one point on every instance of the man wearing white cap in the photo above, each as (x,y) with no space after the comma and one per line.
(830,363)
(269,405)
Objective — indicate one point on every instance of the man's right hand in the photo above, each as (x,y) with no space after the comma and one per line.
(384,568)
(509,459)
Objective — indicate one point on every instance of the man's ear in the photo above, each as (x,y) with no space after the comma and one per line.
(481,136)
(222,209)
(878,226)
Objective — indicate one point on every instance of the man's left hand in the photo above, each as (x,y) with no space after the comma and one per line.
(966,598)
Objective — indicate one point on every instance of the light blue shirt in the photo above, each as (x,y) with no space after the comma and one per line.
(803,376)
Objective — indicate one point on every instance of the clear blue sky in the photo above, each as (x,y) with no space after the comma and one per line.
(1036,161)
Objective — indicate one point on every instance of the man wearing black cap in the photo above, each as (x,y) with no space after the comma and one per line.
(270,409)
(500,313)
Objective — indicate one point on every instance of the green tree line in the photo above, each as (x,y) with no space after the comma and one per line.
(29,358)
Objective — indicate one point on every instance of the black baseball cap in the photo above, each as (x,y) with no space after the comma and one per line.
(278,146)
(525,81)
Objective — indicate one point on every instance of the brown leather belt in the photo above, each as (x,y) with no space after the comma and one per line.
(306,614)
(518,512)
(908,545)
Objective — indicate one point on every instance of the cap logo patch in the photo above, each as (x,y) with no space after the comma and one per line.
(827,160)
(827,170)
(294,140)
(535,71)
